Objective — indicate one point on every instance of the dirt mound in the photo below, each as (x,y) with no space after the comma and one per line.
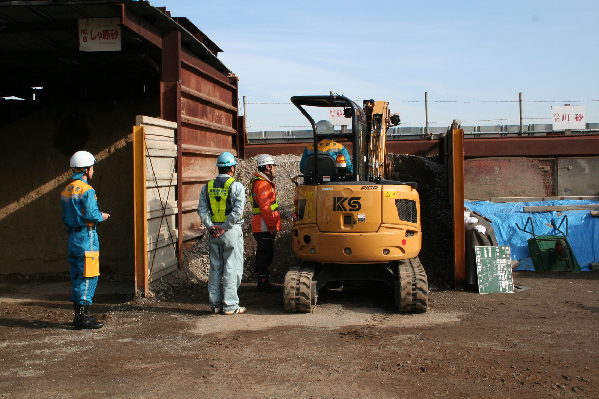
(435,213)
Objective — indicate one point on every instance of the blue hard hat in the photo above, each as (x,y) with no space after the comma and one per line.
(225,159)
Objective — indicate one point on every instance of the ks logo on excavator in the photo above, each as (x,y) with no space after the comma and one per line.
(353,204)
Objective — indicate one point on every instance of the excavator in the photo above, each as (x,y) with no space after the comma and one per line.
(356,226)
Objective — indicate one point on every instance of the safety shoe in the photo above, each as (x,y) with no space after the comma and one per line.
(83,321)
(265,286)
(216,309)
(239,310)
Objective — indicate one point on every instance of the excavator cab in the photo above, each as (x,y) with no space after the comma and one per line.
(354,226)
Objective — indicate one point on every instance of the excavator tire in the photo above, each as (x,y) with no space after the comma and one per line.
(413,286)
(300,295)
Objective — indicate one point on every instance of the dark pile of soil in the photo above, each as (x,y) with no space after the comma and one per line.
(435,213)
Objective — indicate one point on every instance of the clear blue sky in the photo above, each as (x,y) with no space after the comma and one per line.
(472,57)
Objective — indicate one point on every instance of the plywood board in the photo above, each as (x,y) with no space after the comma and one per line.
(161,207)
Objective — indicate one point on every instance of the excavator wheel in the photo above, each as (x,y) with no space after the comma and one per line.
(413,287)
(300,290)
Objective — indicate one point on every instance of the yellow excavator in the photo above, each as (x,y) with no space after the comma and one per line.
(355,226)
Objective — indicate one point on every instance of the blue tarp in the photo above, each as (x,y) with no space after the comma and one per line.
(582,233)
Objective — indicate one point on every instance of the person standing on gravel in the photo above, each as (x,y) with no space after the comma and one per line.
(80,214)
(221,209)
(266,219)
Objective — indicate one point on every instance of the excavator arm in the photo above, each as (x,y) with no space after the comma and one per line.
(378,121)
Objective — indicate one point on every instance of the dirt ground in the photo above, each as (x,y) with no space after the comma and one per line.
(541,341)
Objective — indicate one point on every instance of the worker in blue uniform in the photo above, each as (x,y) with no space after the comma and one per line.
(80,214)
(326,146)
(221,209)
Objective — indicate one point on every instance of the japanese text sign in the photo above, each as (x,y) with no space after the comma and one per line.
(99,34)
(337,118)
(566,117)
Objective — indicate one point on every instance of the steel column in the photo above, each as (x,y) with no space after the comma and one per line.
(170,105)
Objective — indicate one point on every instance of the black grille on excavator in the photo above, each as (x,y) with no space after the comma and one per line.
(406,210)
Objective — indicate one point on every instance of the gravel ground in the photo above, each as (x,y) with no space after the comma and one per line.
(539,342)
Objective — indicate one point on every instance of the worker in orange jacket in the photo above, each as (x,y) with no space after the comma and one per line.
(266,219)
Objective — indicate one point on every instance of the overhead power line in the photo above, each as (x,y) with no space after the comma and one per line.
(455,101)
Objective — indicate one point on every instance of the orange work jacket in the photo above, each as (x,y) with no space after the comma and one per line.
(264,197)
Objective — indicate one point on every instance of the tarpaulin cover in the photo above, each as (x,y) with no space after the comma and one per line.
(582,233)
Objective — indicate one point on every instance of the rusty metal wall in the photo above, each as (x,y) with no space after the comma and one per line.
(208,127)
(508,177)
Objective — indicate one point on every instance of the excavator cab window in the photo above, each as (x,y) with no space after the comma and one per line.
(350,137)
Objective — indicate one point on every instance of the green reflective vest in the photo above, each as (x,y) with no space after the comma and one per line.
(255,207)
(218,200)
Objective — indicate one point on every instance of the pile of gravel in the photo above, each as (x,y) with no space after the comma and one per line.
(437,247)
(287,167)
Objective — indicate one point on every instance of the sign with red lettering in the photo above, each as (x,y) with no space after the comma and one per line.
(568,117)
(337,118)
(99,34)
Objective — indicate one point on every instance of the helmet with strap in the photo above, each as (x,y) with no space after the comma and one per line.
(265,159)
(225,159)
(82,159)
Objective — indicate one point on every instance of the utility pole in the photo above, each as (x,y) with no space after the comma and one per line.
(426,112)
(520,102)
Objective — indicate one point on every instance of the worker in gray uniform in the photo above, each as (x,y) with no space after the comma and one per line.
(221,210)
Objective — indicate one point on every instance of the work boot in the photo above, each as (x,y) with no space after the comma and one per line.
(83,321)
(92,318)
(265,286)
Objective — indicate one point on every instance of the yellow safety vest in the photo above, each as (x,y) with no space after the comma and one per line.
(255,207)
(218,200)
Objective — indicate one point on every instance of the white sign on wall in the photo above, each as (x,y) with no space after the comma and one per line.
(337,118)
(99,34)
(568,117)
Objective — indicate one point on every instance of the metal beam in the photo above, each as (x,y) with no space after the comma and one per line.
(480,147)
(558,146)
(170,104)
(459,231)
(140,26)
(423,148)
(140,231)
(208,99)
(210,125)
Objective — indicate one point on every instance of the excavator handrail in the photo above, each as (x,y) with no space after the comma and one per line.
(332,100)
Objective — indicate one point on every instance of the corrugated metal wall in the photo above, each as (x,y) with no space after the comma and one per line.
(208,128)
(203,102)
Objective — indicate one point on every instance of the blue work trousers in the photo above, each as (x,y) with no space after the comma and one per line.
(226,269)
(84,288)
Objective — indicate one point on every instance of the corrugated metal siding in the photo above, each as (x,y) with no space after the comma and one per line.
(208,117)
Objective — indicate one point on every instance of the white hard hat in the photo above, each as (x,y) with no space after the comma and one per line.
(82,159)
(324,127)
(264,160)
